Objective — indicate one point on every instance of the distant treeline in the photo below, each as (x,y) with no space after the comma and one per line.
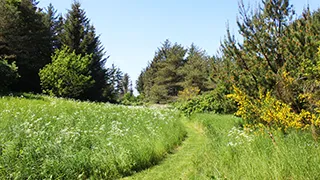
(272,74)
(65,50)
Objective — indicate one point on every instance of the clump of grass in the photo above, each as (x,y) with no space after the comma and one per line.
(235,154)
(50,138)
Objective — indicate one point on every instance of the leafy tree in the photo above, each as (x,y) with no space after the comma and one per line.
(68,75)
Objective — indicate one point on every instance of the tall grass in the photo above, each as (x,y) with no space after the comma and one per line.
(49,138)
(235,154)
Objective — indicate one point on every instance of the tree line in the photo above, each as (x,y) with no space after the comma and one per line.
(43,51)
(272,74)
(173,69)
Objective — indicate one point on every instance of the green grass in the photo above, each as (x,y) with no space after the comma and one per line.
(184,163)
(217,149)
(234,154)
(50,138)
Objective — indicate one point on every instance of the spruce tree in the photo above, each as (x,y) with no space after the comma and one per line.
(80,36)
(54,23)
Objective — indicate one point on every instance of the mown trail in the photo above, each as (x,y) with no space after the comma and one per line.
(185,162)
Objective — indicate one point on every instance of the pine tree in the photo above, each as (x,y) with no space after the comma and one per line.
(260,58)
(140,82)
(195,71)
(161,81)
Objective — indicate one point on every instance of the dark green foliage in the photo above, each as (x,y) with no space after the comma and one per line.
(68,75)
(23,31)
(125,82)
(114,85)
(140,83)
(162,81)
(9,74)
(54,24)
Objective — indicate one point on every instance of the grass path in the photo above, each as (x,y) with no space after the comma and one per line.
(184,163)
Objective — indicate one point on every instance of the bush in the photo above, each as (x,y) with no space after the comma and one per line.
(269,112)
(67,76)
(130,100)
(213,101)
(9,74)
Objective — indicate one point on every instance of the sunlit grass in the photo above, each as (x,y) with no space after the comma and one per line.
(43,137)
(235,154)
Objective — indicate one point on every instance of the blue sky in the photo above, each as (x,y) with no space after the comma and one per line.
(132,30)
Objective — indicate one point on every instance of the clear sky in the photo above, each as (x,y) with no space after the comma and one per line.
(132,30)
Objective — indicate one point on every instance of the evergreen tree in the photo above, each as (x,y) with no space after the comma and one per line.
(125,84)
(140,82)
(81,37)
(114,85)
(161,81)
(195,71)
(26,37)
(54,23)
(260,58)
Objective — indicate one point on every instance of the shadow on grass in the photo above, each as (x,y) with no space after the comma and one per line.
(28,96)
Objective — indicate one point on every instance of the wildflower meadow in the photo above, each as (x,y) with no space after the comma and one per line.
(51,138)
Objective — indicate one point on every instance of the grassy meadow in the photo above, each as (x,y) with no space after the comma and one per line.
(235,154)
(216,148)
(50,138)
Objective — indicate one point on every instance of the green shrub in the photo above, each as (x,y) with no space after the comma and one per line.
(129,99)
(213,101)
(68,75)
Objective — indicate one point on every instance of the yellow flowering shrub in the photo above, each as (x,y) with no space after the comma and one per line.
(267,111)
(247,108)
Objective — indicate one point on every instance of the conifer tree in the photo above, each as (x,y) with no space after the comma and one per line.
(26,37)
(195,72)
(54,23)
(161,81)
(260,56)
(125,84)
(80,36)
